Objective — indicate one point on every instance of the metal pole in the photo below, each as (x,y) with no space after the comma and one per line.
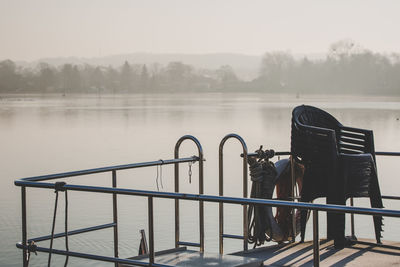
(245,217)
(108,169)
(352,219)
(213,198)
(151,230)
(221,204)
(115,215)
(315,238)
(201,203)
(24,230)
(176,166)
(292,193)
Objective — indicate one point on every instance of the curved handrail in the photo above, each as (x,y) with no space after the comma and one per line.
(201,188)
(221,191)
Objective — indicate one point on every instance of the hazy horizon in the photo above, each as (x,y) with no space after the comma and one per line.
(32,30)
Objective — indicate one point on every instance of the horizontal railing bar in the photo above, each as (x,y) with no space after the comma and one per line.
(387,153)
(232,236)
(93,257)
(286,153)
(221,199)
(391,197)
(190,244)
(277,153)
(111,168)
(74,232)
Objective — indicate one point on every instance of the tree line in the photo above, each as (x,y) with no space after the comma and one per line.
(347,68)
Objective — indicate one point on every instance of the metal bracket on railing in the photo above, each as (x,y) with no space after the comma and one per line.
(201,189)
(221,192)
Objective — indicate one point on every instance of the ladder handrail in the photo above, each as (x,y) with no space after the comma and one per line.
(201,189)
(221,190)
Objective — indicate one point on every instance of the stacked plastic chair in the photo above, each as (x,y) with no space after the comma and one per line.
(339,163)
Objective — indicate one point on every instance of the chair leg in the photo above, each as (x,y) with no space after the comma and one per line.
(303,222)
(376,202)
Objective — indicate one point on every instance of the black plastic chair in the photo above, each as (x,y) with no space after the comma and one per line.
(339,163)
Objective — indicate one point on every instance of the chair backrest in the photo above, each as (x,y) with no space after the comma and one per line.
(312,116)
(311,130)
(314,134)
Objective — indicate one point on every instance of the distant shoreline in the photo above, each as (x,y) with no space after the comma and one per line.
(274,96)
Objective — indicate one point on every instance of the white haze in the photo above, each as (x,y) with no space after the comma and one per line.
(31,30)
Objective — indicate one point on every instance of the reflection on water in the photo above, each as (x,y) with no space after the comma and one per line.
(49,135)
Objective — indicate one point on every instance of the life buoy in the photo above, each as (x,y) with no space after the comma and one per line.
(266,178)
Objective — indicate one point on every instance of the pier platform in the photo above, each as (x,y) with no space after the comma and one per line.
(192,258)
(365,253)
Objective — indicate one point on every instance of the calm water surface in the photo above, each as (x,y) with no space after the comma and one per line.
(42,135)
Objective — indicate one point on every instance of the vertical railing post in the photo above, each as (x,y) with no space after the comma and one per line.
(245,217)
(115,215)
(151,230)
(293,194)
(24,227)
(315,238)
(176,170)
(201,189)
(221,191)
(201,203)
(221,204)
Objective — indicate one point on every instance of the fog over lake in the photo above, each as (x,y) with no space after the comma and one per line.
(95,83)
(49,134)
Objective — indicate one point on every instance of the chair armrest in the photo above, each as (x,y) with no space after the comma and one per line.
(315,129)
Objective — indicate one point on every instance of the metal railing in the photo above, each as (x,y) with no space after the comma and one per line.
(201,191)
(222,235)
(181,196)
(35,182)
(42,182)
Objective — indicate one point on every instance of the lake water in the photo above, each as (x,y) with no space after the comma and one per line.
(43,135)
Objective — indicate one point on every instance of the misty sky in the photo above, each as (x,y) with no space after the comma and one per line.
(32,29)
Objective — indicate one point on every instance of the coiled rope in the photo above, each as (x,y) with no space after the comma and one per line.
(262,173)
(265,177)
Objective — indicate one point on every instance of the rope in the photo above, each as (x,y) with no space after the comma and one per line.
(190,168)
(59,186)
(159,175)
(66,228)
(190,172)
(262,172)
(52,229)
